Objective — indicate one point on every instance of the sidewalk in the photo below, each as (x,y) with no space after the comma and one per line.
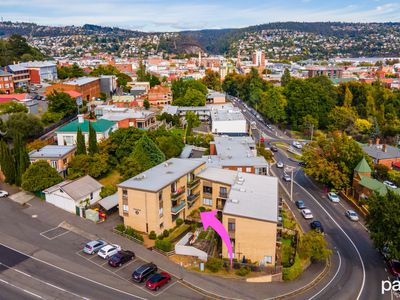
(220,287)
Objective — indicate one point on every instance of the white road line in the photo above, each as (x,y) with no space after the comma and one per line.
(43,232)
(330,281)
(21,289)
(123,267)
(54,237)
(45,282)
(74,274)
(166,288)
(347,236)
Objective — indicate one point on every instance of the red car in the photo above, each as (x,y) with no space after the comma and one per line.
(394,267)
(158,280)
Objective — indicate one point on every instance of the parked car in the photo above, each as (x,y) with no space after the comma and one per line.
(269,126)
(394,267)
(144,271)
(390,184)
(121,257)
(302,164)
(317,226)
(109,250)
(274,148)
(307,214)
(352,215)
(286,177)
(297,145)
(279,164)
(333,197)
(94,246)
(3,194)
(300,204)
(158,280)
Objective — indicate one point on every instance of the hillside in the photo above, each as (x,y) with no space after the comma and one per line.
(16,49)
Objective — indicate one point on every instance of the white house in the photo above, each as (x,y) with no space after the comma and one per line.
(74,196)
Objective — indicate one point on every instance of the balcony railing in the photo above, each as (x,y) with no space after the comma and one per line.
(223,195)
(178,192)
(178,208)
(193,197)
(193,182)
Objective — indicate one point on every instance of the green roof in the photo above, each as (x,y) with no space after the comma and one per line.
(101,125)
(363,167)
(373,184)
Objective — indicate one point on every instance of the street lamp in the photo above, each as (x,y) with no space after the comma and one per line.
(290,169)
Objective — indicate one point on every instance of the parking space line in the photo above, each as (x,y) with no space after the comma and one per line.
(43,234)
(165,288)
(123,267)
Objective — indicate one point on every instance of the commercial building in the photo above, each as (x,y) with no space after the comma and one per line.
(216,98)
(6,82)
(228,120)
(57,156)
(89,87)
(259,58)
(39,71)
(160,95)
(331,72)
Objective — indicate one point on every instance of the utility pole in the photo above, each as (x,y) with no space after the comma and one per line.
(291,187)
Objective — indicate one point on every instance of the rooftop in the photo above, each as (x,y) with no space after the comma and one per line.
(51,151)
(2,73)
(230,147)
(81,81)
(378,151)
(38,64)
(101,125)
(228,114)
(363,167)
(161,175)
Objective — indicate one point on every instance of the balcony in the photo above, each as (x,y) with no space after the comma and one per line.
(193,197)
(223,195)
(193,183)
(176,209)
(179,192)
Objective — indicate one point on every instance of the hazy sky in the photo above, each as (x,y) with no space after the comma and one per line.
(174,15)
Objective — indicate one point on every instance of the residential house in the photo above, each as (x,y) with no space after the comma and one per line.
(89,87)
(57,156)
(6,82)
(160,95)
(126,117)
(382,154)
(66,135)
(74,196)
(31,104)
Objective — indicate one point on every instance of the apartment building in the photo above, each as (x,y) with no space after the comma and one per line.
(156,198)
(228,120)
(160,95)
(39,71)
(6,82)
(89,87)
(21,75)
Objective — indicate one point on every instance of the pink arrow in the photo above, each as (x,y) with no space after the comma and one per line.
(208,219)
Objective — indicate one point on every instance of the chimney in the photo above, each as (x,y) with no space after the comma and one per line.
(370,142)
(80,118)
(384,148)
(377,141)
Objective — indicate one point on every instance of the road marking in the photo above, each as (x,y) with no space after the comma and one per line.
(330,281)
(351,241)
(43,234)
(74,274)
(21,289)
(45,282)
(123,267)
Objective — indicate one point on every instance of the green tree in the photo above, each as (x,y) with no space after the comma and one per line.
(51,117)
(25,124)
(285,79)
(314,246)
(192,97)
(192,120)
(12,107)
(83,164)
(60,102)
(108,190)
(7,162)
(212,80)
(21,157)
(381,172)
(342,118)
(171,146)
(40,176)
(146,104)
(273,105)
(180,88)
(93,147)
(80,143)
(348,97)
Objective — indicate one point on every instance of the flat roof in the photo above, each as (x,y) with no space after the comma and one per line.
(251,196)
(81,81)
(161,175)
(51,151)
(218,162)
(230,114)
(232,147)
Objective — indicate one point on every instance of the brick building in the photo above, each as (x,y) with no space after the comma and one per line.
(160,95)
(6,82)
(89,87)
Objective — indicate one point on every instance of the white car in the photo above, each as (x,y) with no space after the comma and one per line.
(3,194)
(333,197)
(297,145)
(107,251)
(279,164)
(287,178)
(390,184)
(307,214)
(352,215)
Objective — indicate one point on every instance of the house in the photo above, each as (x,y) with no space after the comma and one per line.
(66,135)
(382,154)
(74,196)
(57,156)
(6,82)
(31,104)
(89,87)
(21,75)
(160,95)
(126,117)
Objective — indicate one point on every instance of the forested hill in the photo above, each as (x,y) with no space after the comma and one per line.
(16,49)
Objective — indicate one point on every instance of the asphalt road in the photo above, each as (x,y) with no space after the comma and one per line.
(360,269)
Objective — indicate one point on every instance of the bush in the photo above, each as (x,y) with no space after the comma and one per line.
(193,227)
(164,245)
(160,236)
(243,271)
(133,233)
(108,190)
(202,235)
(152,235)
(165,233)
(294,271)
(179,222)
(120,227)
(214,264)
(202,209)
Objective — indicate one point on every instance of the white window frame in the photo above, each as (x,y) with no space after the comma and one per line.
(125,208)
(207,201)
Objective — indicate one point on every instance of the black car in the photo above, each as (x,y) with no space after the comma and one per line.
(144,271)
(300,204)
(316,225)
(117,260)
(274,149)
(302,164)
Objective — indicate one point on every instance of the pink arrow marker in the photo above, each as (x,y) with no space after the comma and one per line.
(208,219)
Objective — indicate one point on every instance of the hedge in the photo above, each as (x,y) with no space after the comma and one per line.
(164,245)
(120,227)
(133,233)
(214,264)
(294,271)
(152,235)
(243,271)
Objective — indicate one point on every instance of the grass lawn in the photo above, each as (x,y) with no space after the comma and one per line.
(112,178)
(178,231)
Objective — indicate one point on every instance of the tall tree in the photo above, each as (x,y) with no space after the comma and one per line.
(7,162)
(21,158)
(60,102)
(273,105)
(146,104)
(25,124)
(212,80)
(348,97)
(93,147)
(80,143)
(285,79)
(40,176)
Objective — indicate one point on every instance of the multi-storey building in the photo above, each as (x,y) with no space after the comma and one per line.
(89,87)
(21,75)
(160,95)
(259,58)
(39,71)
(6,82)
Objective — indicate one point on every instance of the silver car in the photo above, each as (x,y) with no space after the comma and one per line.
(3,194)
(352,215)
(94,246)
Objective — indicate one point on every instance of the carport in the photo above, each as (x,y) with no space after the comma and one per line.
(109,203)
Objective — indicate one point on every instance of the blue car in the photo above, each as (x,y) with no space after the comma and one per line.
(300,204)
(317,226)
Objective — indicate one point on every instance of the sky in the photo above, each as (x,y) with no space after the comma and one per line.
(174,15)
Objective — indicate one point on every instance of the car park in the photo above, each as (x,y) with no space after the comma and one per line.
(156,281)
(390,184)
(3,194)
(317,226)
(144,271)
(307,214)
(93,247)
(394,267)
(352,215)
(286,177)
(300,204)
(120,258)
(279,164)
(333,197)
(109,250)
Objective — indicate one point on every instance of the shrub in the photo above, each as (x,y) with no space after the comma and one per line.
(202,235)
(164,245)
(202,209)
(214,264)
(193,227)
(294,271)
(120,227)
(165,233)
(108,190)
(243,271)
(160,236)
(152,235)
(179,222)
(133,233)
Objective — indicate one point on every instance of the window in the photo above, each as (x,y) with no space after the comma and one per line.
(231,225)
(248,170)
(223,192)
(53,163)
(125,194)
(68,140)
(130,124)
(91,196)
(125,208)
(207,189)
(161,212)
(65,161)
(207,201)
(240,169)
(161,225)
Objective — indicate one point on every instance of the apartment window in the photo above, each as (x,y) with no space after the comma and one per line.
(207,201)
(53,163)
(125,208)
(207,189)
(223,192)
(231,224)
(125,194)
(240,169)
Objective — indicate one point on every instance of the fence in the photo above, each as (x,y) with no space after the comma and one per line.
(48,129)
(268,270)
